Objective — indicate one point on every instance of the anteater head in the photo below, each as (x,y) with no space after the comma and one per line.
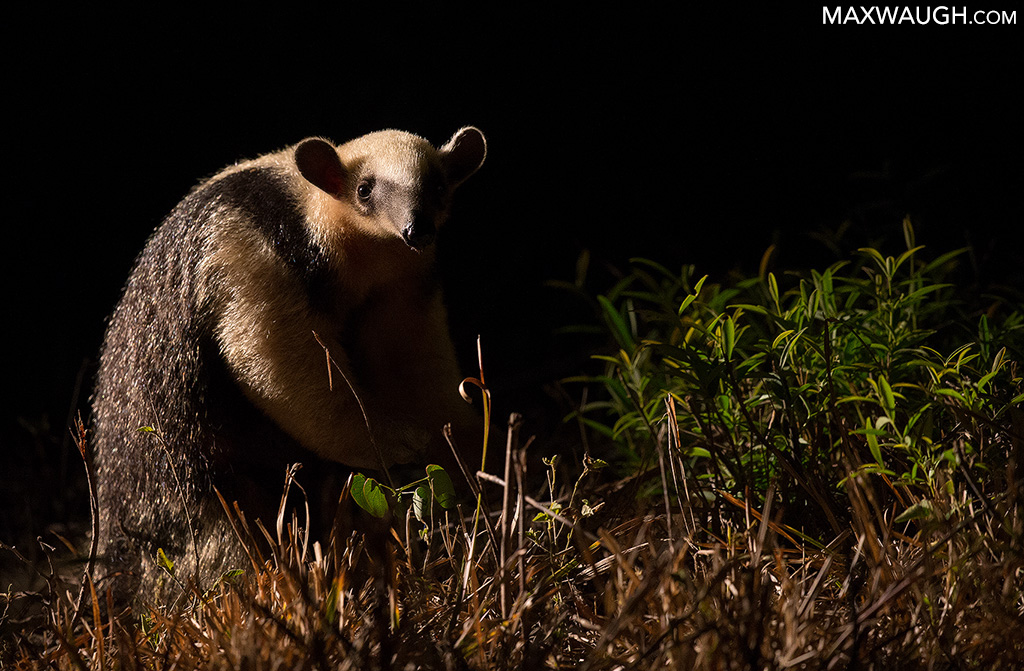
(394,183)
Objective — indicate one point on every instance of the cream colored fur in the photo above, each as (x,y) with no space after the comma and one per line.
(268,334)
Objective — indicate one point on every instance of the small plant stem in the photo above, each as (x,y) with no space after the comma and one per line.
(366,418)
(184,505)
(514,422)
(81,441)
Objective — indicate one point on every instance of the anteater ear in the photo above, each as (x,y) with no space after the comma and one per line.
(318,162)
(464,154)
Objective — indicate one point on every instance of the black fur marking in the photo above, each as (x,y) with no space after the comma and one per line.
(161,367)
(265,198)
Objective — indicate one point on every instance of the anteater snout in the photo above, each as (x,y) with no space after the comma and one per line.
(419,234)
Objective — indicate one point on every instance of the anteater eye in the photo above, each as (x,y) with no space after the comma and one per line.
(364,189)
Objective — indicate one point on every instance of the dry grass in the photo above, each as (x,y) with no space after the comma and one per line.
(611,590)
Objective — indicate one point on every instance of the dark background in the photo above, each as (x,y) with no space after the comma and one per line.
(694,137)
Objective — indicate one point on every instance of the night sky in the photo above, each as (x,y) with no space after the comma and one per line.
(693,138)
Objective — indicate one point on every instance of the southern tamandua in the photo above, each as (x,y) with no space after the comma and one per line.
(221,338)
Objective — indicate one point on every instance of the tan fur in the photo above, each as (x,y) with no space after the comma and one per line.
(218,342)
(269,337)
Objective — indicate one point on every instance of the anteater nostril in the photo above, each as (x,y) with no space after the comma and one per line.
(418,234)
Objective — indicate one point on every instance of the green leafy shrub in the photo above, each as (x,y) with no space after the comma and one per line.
(871,368)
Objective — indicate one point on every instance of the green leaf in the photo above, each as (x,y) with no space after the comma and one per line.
(906,255)
(924,291)
(441,486)
(728,337)
(985,380)
(358,480)
(773,288)
(955,394)
(421,503)
(369,495)
(376,498)
(686,303)
(750,307)
(876,451)
(887,396)
(163,561)
(908,233)
(554,507)
(691,298)
(999,360)
(782,336)
(874,254)
(942,260)
(618,325)
(919,510)
(598,426)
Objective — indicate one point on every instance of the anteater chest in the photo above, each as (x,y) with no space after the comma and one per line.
(387,336)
